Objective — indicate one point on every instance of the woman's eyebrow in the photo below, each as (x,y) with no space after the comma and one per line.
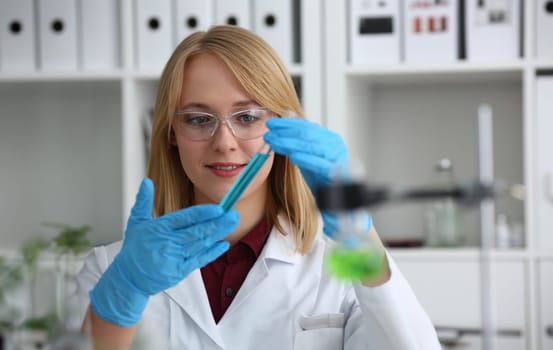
(195,105)
(203,106)
(245,103)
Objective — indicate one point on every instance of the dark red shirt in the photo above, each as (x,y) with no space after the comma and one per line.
(224,276)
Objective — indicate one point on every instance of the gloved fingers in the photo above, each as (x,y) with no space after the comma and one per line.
(192,249)
(291,123)
(209,232)
(306,162)
(144,204)
(320,146)
(204,257)
(330,222)
(304,130)
(194,243)
(191,216)
(308,131)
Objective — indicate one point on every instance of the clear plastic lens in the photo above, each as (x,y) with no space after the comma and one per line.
(200,126)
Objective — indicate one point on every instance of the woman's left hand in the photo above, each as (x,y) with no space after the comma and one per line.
(315,150)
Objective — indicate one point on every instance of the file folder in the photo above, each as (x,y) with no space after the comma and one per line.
(544,161)
(235,12)
(273,21)
(492,30)
(375,32)
(544,29)
(99,39)
(17,36)
(431,31)
(154,34)
(192,16)
(57,35)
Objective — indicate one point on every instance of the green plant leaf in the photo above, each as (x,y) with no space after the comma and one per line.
(71,239)
(47,322)
(31,251)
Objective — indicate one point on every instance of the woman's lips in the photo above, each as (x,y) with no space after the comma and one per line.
(226,169)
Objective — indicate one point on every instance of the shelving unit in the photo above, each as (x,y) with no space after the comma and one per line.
(72,142)
(393,118)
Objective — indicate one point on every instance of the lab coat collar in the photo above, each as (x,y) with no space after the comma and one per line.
(278,248)
(281,247)
(191,295)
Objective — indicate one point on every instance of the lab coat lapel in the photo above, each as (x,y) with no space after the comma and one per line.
(279,248)
(191,296)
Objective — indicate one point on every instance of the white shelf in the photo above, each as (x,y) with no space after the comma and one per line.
(508,71)
(545,65)
(295,70)
(60,76)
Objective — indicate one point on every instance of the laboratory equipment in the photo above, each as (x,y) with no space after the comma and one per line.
(351,196)
(355,254)
(246,177)
(502,232)
(444,225)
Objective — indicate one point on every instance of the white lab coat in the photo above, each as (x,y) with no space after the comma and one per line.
(287,301)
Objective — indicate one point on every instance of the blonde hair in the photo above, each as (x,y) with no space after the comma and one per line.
(264,77)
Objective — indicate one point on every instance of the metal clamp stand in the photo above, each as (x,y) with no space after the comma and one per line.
(487,223)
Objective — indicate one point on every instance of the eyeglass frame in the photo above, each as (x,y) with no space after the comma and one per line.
(220,121)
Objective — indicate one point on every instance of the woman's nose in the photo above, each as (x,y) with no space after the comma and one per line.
(224,139)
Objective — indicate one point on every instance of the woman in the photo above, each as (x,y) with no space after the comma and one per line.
(252,277)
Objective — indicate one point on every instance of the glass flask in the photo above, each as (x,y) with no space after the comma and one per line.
(443,221)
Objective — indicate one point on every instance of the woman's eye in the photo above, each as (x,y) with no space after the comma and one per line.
(246,118)
(198,119)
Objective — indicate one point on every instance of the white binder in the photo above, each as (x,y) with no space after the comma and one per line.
(544,29)
(57,35)
(99,34)
(192,16)
(235,12)
(154,34)
(273,21)
(492,30)
(17,36)
(544,162)
(375,29)
(431,33)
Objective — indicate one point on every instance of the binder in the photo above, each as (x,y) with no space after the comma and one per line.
(492,30)
(192,16)
(544,28)
(273,21)
(99,34)
(17,36)
(375,29)
(544,161)
(154,34)
(57,35)
(431,31)
(235,12)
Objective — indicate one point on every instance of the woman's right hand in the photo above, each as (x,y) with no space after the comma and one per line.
(157,254)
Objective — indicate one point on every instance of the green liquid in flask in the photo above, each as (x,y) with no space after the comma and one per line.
(350,264)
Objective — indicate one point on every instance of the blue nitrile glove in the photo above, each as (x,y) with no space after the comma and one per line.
(315,150)
(158,253)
